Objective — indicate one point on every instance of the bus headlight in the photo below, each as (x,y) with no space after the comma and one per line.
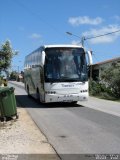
(83,91)
(50,92)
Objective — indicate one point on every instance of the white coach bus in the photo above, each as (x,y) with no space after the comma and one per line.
(57,73)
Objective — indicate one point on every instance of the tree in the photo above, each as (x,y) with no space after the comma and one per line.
(13,75)
(111,77)
(6,55)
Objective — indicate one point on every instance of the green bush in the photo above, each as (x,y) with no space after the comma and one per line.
(99,89)
(0,81)
(109,85)
(94,88)
(107,95)
(111,76)
(13,75)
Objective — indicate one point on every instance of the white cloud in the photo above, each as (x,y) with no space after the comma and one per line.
(104,30)
(75,42)
(76,21)
(35,36)
(116,17)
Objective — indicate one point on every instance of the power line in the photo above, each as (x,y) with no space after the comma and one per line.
(83,38)
(38,16)
(101,35)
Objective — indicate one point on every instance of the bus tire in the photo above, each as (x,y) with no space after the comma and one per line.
(74,102)
(28,92)
(38,95)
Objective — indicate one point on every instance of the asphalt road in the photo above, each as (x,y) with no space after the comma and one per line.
(75,129)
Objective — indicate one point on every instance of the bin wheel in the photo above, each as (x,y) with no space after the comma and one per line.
(3,119)
(17,116)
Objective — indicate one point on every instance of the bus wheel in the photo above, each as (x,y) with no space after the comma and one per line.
(74,102)
(38,96)
(28,91)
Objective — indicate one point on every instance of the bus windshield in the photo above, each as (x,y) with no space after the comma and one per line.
(65,65)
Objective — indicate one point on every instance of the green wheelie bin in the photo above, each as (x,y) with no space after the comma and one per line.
(7,103)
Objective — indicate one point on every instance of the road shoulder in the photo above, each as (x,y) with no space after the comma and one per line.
(22,136)
(107,106)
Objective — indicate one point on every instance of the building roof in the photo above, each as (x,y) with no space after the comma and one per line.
(108,61)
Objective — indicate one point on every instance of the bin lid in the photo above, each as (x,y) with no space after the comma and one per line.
(4,89)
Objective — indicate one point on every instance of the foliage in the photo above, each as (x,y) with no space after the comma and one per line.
(13,75)
(109,85)
(0,81)
(100,90)
(6,55)
(111,76)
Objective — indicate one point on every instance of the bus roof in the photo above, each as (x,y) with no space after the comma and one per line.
(62,45)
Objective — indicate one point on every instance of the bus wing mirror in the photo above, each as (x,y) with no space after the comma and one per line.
(43,58)
(90,61)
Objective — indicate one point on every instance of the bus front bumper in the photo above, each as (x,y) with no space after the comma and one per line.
(66,98)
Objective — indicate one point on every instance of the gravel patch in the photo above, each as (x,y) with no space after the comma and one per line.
(22,136)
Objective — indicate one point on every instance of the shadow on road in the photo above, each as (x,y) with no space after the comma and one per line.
(29,102)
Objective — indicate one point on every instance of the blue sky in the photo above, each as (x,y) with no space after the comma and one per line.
(29,24)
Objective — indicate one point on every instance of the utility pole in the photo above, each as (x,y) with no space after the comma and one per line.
(91,70)
(82,41)
(82,38)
